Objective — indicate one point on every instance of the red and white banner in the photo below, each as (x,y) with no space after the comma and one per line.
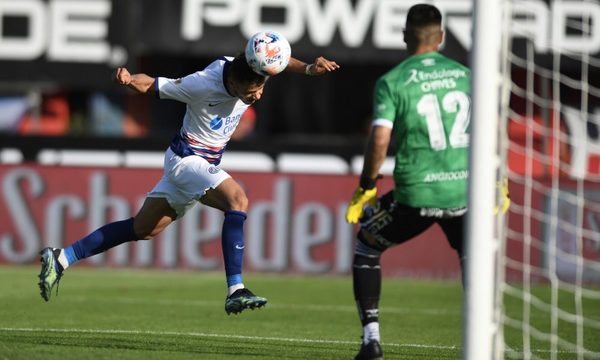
(295,222)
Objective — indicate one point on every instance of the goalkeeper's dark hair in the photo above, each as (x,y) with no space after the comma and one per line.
(240,71)
(422,15)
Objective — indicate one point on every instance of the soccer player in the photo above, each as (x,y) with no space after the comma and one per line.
(216,98)
(424,101)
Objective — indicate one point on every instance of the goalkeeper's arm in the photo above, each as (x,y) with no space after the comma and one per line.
(377,145)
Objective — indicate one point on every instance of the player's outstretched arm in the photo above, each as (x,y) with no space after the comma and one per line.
(319,67)
(141,83)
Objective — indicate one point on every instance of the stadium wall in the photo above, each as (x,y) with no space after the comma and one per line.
(295,224)
(296,217)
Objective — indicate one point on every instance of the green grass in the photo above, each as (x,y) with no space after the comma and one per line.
(149,314)
(540,316)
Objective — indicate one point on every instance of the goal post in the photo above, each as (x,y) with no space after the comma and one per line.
(479,325)
(532,288)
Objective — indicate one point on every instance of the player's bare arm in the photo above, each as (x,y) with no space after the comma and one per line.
(377,146)
(141,83)
(319,67)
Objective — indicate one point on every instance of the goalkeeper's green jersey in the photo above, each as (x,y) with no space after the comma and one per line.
(426,98)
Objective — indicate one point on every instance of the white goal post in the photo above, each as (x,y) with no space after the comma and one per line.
(479,324)
(532,288)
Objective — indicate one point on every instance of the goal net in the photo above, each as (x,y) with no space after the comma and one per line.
(547,293)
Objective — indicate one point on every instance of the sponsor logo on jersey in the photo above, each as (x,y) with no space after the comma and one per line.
(216,123)
(446,176)
(416,76)
(436,79)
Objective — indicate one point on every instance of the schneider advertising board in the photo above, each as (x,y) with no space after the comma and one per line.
(45,40)
(292,226)
(295,224)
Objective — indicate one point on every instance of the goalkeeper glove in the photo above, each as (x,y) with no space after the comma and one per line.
(505,197)
(359,199)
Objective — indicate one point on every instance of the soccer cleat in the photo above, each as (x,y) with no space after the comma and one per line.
(243,299)
(51,272)
(370,351)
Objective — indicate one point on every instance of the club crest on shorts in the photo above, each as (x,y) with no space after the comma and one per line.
(213,170)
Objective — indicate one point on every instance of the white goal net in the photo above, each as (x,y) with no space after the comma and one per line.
(548,274)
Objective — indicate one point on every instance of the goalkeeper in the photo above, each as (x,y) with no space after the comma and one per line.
(424,103)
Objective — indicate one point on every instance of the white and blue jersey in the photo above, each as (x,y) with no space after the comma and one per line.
(212,114)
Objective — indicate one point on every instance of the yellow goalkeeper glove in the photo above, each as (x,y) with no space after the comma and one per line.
(359,199)
(505,197)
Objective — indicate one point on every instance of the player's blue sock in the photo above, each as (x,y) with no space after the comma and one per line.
(106,237)
(232,242)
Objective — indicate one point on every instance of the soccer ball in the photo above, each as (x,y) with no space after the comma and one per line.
(268,53)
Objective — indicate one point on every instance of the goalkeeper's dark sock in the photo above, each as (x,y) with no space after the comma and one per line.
(366,277)
(104,238)
(232,243)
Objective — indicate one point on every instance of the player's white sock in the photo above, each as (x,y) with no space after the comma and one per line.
(233,288)
(62,259)
(371,332)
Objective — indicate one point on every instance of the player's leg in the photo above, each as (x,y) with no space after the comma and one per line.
(153,218)
(383,226)
(366,280)
(453,228)
(155,215)
(230,198)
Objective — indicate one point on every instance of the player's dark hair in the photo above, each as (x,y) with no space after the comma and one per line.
(422,15)
(241,72)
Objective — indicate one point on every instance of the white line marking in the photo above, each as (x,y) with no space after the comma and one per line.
(212,335)
(245,337)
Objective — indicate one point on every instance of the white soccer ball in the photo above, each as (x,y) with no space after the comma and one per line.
(268,53)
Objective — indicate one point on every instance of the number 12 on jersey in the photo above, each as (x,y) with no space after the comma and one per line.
(453,102)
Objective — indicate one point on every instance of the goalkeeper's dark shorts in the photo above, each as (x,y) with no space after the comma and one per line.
(390,223)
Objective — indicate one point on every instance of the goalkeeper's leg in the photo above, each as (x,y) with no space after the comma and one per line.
(387,224)
(453,228)
(366,276)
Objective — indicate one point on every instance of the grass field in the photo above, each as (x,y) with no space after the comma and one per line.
(149,314)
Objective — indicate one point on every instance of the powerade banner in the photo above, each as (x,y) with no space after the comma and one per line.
(73,42)
(360,30)
(295,223)
(77,41)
